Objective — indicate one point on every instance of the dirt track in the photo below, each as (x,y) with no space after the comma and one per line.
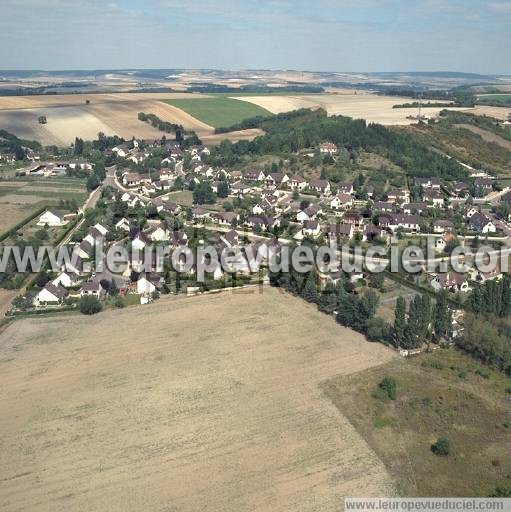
(209,403)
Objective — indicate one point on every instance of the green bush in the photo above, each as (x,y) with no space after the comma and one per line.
(90,305)
(389,386)
(442,447)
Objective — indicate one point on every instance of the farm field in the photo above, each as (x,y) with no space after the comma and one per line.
(373,108)
(215,403)
(442,394)
(220,111)
(19,198)
(68,116)
(503,100)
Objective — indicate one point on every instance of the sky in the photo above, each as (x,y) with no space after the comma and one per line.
(317,35)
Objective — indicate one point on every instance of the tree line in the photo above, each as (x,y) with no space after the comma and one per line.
(306,129)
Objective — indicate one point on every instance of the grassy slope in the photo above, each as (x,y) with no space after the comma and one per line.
(439,395)
(499,100)
(219,111)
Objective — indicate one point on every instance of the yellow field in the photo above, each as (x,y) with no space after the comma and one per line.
(373,108)
(68,116)
(208,403)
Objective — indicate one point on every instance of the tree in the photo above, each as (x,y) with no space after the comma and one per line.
(442,447)
(223,189)
(90,305)
(78,146)
(400,321)
(203,193)
(389,387)
(442,321)
(92,182)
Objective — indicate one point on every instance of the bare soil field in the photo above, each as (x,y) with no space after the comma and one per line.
(76,100)
(68,116)
(373,108)
(205,403)
(501,113)
(6,297)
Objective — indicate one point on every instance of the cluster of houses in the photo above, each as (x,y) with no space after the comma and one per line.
(298,207)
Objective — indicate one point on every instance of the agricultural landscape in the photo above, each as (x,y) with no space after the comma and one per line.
(251,390)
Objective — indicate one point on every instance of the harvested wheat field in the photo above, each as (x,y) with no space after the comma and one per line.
(68,116)
(207,403)
(372,107)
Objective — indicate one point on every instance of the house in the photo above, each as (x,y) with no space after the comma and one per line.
(328,148)
(239,189)
(178,238)
(356,219)
(51,294)
(262,222)
(199,213)
(484,184)
(230,239)
(169,207)
(399,195)
(341,200)
(140,241)
(334,231)
(395,221)
(469,211)
(131,179)
(345,187)
(298,182)
(461,188)
(433,197)
(224,218)
(440,244)
(311,228)
(432,183)
(159,232)
(121,151)
(481,223)
(276,179)
(123,225)
(75,265)
(51,218)
(413,208)
(84,249)
(441,226)
(266,206)
(65,279)
(452,281)
(383,206)
(309,213)
(321,186)
(93,237)
(148,282)
(93,289)
(253,175)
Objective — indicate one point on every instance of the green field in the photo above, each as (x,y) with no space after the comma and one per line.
(219,111)
(498,100)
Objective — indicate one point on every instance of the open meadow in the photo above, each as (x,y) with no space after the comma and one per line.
(204,403)
(442,394)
